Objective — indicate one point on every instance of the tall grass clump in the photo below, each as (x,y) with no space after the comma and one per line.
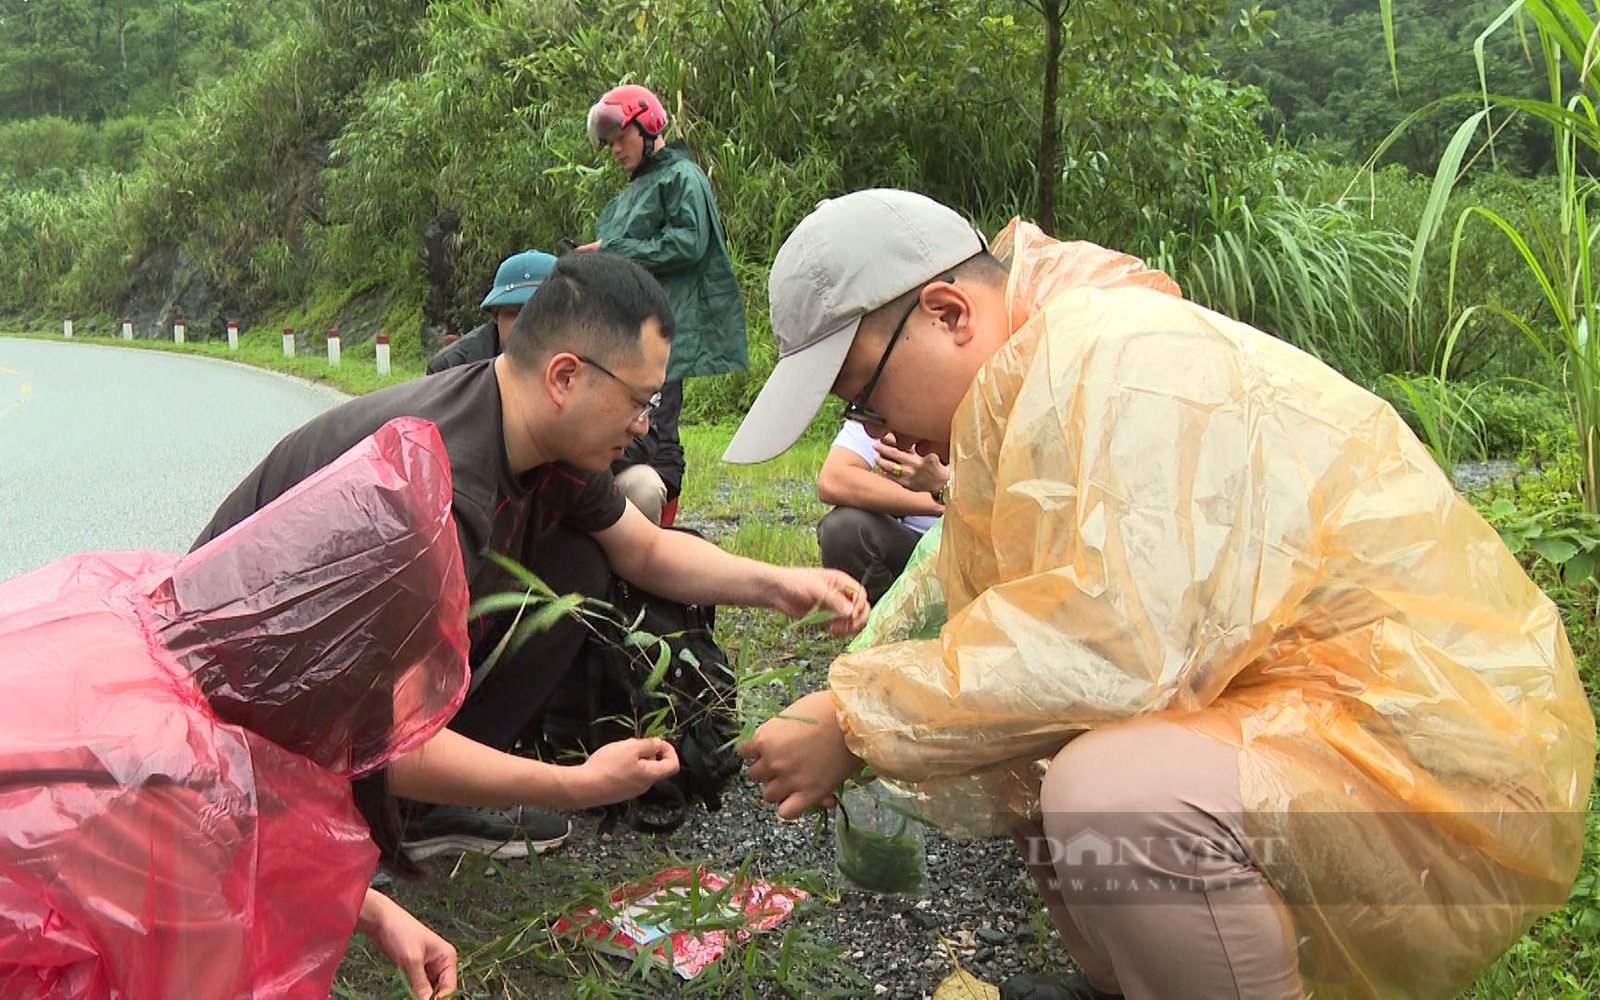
(1393,198)
(1556,252)
(1315,275)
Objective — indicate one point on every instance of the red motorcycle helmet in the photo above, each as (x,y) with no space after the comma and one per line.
(620,106)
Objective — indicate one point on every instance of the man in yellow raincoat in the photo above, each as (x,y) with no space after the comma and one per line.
(1270,709)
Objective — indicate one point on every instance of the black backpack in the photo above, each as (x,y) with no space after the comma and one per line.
(626,683)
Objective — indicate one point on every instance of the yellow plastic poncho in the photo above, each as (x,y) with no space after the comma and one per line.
(1156,509)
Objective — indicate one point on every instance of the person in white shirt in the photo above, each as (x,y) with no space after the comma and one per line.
(884,496)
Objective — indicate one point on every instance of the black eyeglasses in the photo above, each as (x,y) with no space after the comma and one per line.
(857,408)
(649,406)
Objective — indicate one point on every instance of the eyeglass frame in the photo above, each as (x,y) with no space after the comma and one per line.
(650,405)
(857,409)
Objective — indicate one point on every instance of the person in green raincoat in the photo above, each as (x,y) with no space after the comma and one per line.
(666,220)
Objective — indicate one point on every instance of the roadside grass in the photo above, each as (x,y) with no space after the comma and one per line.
(356,374)
(500,917)
(767,511)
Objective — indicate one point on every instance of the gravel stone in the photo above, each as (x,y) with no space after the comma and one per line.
(971,898)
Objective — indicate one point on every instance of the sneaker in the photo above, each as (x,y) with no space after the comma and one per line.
(500,833)
(1073,986)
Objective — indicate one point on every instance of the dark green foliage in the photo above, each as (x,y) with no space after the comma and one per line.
(1392,199)
(1555,253)
(1466,421)
(92,60)
(313,164)
(1518,420)
(1316,274)
(1326,72)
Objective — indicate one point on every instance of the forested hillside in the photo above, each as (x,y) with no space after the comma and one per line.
(82,81)
(367,163)
(316,142)
(1324,68)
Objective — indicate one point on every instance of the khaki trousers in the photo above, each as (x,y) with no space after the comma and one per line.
(1145,868)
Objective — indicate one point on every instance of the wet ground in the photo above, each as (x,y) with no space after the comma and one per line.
(978,906)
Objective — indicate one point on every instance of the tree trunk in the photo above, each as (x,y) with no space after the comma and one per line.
(122,33)
(1050,121)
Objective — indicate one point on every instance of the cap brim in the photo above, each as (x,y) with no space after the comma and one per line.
(517,296)
(791,398)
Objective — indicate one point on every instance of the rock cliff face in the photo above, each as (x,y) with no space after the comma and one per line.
(168,283)
(213,275)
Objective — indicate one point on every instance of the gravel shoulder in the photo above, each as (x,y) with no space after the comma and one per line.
(979,900)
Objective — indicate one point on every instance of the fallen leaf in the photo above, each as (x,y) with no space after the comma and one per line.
(965,986)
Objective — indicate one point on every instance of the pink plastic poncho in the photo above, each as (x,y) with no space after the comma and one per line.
(1158,510)
(177,735)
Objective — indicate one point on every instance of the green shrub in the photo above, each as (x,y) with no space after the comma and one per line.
(44,152)
(121,143)
(1466,421)
(312,166)
(1316,275)
(1520,419)
(1393,199)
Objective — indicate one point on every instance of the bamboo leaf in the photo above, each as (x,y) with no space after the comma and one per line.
(1386,10)
(1444,181)
(546,617)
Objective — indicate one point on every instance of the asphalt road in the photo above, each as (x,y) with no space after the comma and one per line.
(112,448)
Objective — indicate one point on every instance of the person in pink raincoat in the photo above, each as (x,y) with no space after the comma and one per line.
(178,737)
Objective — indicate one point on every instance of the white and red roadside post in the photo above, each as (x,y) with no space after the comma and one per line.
(288,341)
(333,347)
(127,328)
(177,329)
(66,327)
(383,353)
(233,335)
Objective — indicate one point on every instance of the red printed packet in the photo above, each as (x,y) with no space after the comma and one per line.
(644,918)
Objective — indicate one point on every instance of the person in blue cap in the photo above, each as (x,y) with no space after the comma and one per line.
(514,283)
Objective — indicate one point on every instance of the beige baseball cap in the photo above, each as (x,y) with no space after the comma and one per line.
(850,256)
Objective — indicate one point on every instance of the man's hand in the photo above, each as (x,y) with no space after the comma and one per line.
(587,247)
(619,771)
(427,960)
(805,591)
(916,472)
(800,757)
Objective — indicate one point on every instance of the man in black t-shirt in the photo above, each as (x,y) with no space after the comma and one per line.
(531,436)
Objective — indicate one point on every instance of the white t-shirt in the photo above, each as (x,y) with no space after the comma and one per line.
(854,437)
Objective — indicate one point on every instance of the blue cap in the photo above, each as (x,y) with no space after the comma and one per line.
(519,276)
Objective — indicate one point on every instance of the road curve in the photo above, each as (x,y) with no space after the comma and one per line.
(113,448)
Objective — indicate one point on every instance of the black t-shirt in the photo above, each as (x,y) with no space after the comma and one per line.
(481,344)
(494,511)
